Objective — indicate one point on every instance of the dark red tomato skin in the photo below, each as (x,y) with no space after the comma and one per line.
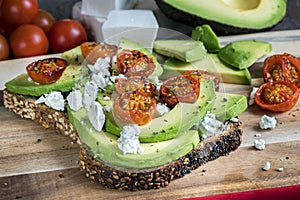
(18,12)
(46,71)
(4,48)
(28,40)
(44,20)
(65,35)
(290,102)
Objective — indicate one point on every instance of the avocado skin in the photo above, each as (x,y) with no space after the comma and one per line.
(194,21)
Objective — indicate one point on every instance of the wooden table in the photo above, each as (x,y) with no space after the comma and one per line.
(36,163)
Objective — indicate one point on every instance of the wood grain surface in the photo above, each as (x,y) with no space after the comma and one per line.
(36,163)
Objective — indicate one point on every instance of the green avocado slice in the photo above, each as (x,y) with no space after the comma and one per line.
(182,117)
(242,54)
(104,146)
(210,63)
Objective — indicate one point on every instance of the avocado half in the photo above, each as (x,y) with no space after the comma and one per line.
(226,16)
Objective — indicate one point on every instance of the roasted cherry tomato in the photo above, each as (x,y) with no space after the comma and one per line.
(135,63)
(46,71)
(135,84)
(282,67)
(202,75)
(94,50)
(179,89)
(277,96)
(4,48)
(134,108)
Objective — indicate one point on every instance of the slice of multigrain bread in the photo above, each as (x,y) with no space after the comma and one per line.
(124,178)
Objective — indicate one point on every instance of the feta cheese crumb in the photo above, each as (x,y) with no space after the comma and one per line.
(280,169)
(128,141)
(162,109)
(113,78)
(54,100)
(234,119)
(251,97)
(75,100)
(90,93)
(267,166)
(267,122)
(102,65)
(100,79)
(96,115)
(260,144)
(210,126)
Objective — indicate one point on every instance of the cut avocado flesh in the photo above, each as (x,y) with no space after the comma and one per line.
(104,146)
(184,50)
(125,43)
(226,16)
(206,35)
(242,54)
(229,105)
(210,63)
(22,84)
(182,117)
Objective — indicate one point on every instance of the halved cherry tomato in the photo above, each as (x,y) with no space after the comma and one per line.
(135,84)
(46,71)
(282,67)
(135,63)
(94,50)
(202,75)
(134,108)
(179,89)
(277,96)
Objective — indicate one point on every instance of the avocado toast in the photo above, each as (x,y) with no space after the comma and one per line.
(164,157)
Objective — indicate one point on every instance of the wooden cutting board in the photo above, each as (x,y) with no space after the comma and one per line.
(36,163)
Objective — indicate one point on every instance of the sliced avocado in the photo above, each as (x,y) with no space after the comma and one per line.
(210,63)
(226,17)
(125,43)
(104,146)
(206,35)
(185,50)
(182,117)
(73,56)
(229,105)
(22,84)
(242,54)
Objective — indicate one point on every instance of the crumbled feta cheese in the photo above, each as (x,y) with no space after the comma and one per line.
(107,108)
(162,109)
(75,100)
(267,122)
(280,169)
(210,125)
(260,144)
(90,93)
(251,97)
(267,166)
(128,141)
(96,115)
(100,79)
(54,100)
(113,78)
(106,98)
(102,65)
(234,119)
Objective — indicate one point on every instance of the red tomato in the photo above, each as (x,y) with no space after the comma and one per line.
(135,84)
(202,75)
(18,12)
(94,50)
(28,40)
(134,108)
(135,63)
(44,20)
(277,96)
(46,71)
(179,89)
(4,48)
(282,67)
(65,35)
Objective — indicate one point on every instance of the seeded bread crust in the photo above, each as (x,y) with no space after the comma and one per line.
(25,107)
(117,177)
